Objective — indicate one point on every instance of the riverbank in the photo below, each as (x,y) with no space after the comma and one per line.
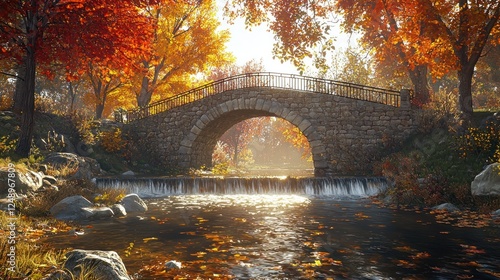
(438,164)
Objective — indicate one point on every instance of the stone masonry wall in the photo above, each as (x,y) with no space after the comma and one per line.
(346,135)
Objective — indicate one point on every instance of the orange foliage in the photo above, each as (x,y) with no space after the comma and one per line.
(187,41)
(440,35)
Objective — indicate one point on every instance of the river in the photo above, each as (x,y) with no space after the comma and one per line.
(291,236)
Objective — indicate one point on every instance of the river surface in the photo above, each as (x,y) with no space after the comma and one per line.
(290,236)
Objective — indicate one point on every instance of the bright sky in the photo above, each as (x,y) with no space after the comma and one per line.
(258,43)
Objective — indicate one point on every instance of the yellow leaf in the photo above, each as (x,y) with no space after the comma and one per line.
(149,239)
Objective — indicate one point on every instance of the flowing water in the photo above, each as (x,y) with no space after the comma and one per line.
(269,228)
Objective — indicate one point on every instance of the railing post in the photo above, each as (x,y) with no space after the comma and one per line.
(404,99)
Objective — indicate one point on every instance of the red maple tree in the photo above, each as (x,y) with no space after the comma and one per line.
(67,33)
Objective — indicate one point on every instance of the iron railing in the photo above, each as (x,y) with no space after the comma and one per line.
(268,80)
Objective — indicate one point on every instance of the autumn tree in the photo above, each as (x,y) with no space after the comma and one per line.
(437,36)
(38,33)
(187,40)
(461,33)
(252,66)
(350,66)
(240,135)
(104,83)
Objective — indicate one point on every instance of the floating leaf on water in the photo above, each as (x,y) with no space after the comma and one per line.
(361,216)
(405,264)
(147,239)
(468,264)
(472,250)
(405,249)
(199,254)
(420,255)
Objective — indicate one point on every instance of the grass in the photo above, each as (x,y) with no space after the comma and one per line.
(39,205)
(32,261)
(35,261)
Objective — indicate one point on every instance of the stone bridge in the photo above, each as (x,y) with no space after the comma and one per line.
(347,125)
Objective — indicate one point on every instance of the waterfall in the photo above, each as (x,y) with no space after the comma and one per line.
(320,187)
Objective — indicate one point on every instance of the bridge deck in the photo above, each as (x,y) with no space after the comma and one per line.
(268,80)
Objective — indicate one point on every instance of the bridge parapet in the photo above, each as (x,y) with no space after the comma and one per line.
(271,80)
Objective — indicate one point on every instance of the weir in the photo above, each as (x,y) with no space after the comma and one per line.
(314,186)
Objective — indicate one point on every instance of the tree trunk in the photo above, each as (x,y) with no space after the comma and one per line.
(28,102)
(420,81)
(99,108)
(72,96)
(19,94)
(144,95)
(465,93)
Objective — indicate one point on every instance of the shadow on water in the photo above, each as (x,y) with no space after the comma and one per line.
(313,230)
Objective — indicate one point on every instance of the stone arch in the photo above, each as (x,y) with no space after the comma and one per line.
(197,146)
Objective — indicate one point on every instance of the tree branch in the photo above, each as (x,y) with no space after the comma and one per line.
(11,75)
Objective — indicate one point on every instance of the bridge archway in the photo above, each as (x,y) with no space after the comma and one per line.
(200,142)
(345,124)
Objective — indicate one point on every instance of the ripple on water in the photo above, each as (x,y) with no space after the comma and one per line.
(291,236)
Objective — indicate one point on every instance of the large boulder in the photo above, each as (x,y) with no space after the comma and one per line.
(488,181)
(55,142)
(24,182)
(92,264)
(79,208)
(85,167)
(134,204)
(72,208)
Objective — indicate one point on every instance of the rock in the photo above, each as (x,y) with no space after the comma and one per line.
(41,144)
(55,142)
(119,210)
(61,160)
(488,181)
(95,264)
(51,180)
(134,204)
(86,168)
(68,146)
(446,207)
(43,168)
(496,214)
(72,208)
(99,212)
(29,181)
(128,173)
(84,149)
(48,188)
(173,265)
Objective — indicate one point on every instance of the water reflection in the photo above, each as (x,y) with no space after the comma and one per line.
(291,236)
